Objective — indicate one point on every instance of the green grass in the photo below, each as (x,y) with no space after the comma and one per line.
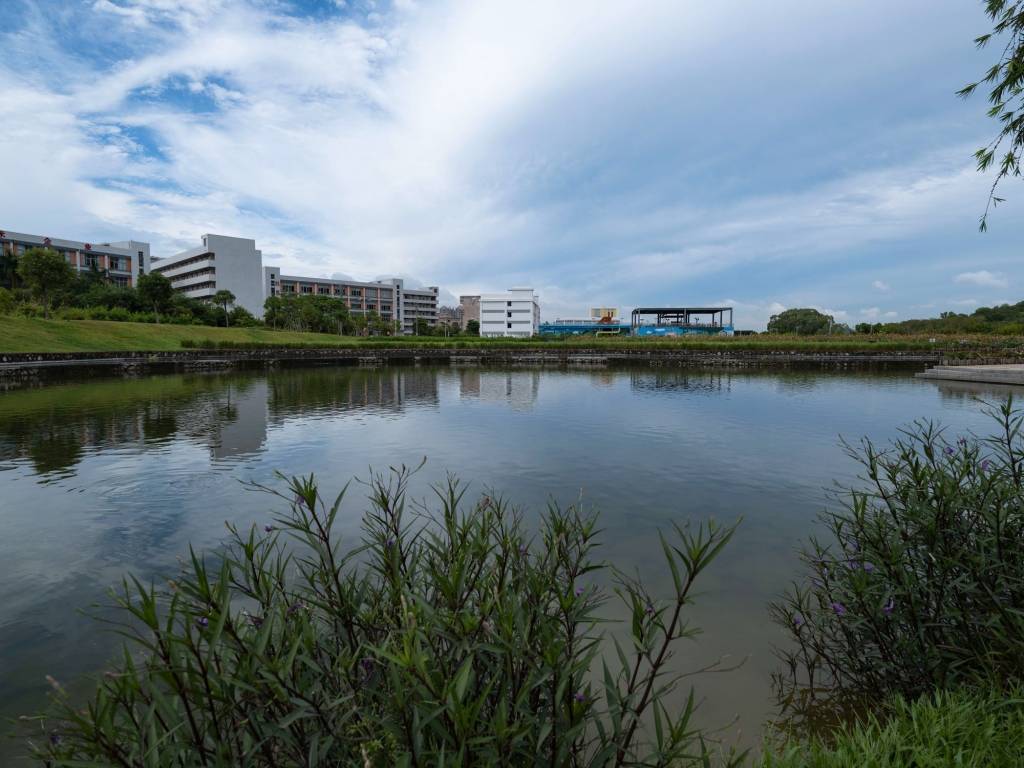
(20,334)
(946,729)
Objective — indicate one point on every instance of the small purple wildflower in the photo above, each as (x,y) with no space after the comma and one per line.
(949,451)
(579,697)
(839,608)
(579,591)
(55,739)
(268,527)
(961,441)
(389,543)
(294,608)
(798,620)
(985,465)
(202,622)
(869,567)
(366,664)
(522,549)
(887,608)
(257,621)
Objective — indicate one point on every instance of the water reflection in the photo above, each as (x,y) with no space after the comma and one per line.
(109,477)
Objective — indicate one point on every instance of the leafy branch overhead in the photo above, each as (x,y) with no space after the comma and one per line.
(1005,79)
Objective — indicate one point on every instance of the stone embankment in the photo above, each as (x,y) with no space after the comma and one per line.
(65,364)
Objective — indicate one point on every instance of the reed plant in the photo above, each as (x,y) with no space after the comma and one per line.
(448,635)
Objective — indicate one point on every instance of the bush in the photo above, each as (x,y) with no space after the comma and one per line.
(6,302)
(451,638)
(922,584)
(936,731)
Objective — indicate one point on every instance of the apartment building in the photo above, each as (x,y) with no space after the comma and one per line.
(122,261)
(470,309)
(388,298)
(516,313)
(220,263)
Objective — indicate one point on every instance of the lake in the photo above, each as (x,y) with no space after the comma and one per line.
(115,476)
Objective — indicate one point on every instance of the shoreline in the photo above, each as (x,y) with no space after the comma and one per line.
(28,366)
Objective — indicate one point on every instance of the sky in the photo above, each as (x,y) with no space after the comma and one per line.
(654,152)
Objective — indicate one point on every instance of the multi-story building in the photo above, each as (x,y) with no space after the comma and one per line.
(122,262)
(390,299)
(516,312)
(449,316)
(470,309)
(220,263)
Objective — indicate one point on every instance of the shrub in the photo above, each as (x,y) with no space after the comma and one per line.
(453,638)
(935,731)
(921,586)
(6,302)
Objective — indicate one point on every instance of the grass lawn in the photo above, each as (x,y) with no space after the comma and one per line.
(20,334)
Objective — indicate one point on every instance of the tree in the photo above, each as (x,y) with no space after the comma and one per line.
(155,291)
(223,298)
(472,327)
(805,322)
(1006,79)
(8,268)
(421,327)
(46,273)
(6,301)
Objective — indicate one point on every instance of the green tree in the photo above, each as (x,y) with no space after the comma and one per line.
(472,327)
(8,268)
(421,327)
(155,291)
(1005,80)
(805,322)
(6,302)
(224,298)
(46,273)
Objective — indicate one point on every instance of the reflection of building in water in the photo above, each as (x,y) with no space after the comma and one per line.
(332,390)
(243,426)
(518,388)
(707,382)
(228,416)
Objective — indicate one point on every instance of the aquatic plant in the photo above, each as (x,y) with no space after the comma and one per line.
(446,636)
(920,586)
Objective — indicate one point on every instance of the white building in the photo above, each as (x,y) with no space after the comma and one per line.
(516,312)
(220,263)
(122,262)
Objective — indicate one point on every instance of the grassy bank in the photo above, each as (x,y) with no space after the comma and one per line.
(20,334)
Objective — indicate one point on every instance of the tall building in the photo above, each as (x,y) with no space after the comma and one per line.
(470,309)
(220,263)
(414,304)
(516,313)
(122,262)
(450,315)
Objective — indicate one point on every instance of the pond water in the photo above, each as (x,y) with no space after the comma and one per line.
(110,477)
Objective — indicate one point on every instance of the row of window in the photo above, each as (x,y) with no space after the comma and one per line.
(194,273)
(158,267)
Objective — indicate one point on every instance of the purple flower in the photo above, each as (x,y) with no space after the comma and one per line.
(202,622)
(294,608)
(985,465)
(887,608)
(55,739)
(961,441)
(366,664)
(798,620)
(389,543)
(649,610)
(949,451)
(869,567)
(839,608)
(522,549)
(268,528)
(579,591)
(579,697)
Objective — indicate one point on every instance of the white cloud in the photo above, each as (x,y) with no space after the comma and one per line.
(881,285)
(871,313)
(983,278)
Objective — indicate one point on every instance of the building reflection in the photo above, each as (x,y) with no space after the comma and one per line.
(518,388)
(682,380)
(56,427)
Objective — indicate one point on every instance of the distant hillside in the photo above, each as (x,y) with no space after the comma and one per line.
(1006,318)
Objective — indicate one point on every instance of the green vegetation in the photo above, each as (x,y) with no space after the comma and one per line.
(805,322)
(936,731)
(920,584)
(453,637)
(1006,79)
(45,273)
(1005,319)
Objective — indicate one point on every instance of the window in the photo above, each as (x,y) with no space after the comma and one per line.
(508,303)
(307,289)
(508,325)
(508,314)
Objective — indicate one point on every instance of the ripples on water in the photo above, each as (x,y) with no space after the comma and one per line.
(114,476)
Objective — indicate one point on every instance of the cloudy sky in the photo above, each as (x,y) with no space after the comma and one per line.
(766,154)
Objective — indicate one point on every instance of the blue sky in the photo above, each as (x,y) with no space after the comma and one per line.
(768,155)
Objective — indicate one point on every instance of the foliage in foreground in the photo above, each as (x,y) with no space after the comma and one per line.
(935,731)
(449,636)
(921,585)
